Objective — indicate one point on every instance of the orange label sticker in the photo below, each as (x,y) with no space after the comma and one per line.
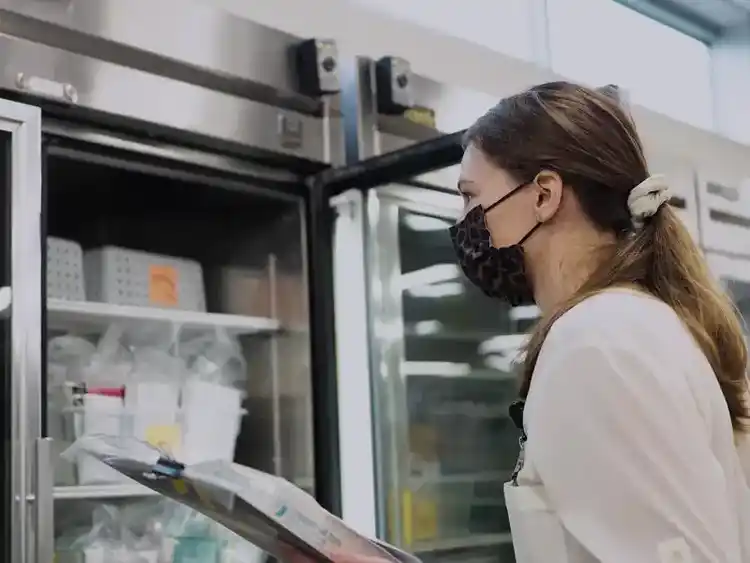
(163,284)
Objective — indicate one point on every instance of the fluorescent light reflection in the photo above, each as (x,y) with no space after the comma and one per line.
(503,344)
(438,369)
(432,274)
(426,328)
(423,223)
(437,290)
(524,313)
(503,362)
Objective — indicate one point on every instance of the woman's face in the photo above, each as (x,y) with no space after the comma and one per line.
(483,183)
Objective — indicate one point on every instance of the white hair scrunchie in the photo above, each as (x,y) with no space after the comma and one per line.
(647,197)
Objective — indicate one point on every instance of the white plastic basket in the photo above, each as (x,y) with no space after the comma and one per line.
(128,277)
(65,270)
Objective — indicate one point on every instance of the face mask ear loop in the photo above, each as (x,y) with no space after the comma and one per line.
(506,196)
(531,232)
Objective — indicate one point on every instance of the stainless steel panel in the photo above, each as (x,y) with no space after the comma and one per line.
(455,109)
(200,37)
(129,93)
(21,128)
(162,150)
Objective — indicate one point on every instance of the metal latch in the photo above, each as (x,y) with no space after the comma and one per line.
(290,131)
(47,88)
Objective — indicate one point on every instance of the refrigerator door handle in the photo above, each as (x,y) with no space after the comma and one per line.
(44,501)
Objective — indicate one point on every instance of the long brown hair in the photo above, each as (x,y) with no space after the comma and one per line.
(588,138)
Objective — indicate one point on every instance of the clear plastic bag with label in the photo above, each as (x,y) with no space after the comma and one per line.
(212,396)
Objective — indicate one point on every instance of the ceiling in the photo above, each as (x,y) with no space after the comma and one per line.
(702,19)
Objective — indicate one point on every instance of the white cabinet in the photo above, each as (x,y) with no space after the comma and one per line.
(724,204)
(734,274)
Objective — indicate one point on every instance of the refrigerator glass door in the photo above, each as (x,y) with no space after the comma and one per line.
(177,314)
(20,337)
(444,357)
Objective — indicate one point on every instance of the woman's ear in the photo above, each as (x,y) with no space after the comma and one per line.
(549,187)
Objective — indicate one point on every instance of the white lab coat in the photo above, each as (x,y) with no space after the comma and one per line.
(630,455)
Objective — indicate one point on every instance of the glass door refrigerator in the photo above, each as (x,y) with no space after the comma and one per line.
(441,354)
(163,261)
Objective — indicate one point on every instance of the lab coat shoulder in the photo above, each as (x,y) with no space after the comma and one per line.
(743,449)
(618,440)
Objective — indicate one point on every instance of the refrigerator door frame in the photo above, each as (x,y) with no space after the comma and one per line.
(351,286)
(24,306)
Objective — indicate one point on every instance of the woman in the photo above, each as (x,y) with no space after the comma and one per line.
(635,378)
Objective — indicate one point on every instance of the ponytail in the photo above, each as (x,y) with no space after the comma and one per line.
(661,258)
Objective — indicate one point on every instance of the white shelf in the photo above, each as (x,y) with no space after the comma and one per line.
(89,317)
(96,492)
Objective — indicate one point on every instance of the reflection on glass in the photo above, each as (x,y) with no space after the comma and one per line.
(460,352)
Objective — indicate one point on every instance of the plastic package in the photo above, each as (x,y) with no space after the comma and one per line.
(152,398)
(211,401)
(187,405)
(67,356)
(100,409)
(108,541)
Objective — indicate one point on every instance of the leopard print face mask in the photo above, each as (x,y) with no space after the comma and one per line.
(498,272)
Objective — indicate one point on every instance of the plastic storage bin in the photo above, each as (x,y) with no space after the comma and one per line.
(65,279)
(128,277)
